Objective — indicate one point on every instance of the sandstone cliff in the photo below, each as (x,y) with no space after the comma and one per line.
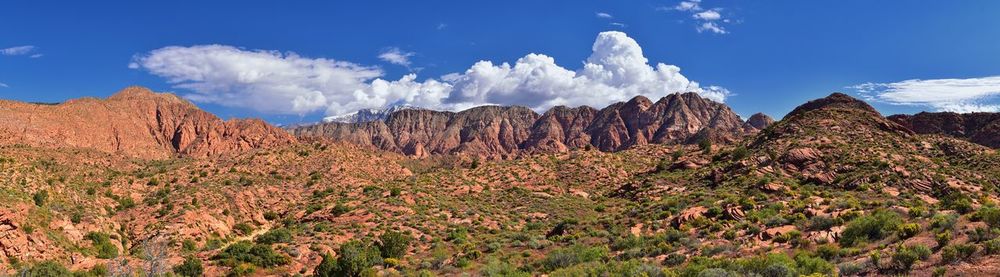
(136,122)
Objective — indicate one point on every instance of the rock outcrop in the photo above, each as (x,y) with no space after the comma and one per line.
(498,132)
(980,128)
(136,122)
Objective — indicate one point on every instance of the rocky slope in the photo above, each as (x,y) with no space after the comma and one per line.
(136,122)
(507,131)
(367,115)
(981,128)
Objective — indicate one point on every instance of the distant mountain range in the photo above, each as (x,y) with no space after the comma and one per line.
(368,115)
(505,131)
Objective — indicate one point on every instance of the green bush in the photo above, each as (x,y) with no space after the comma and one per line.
(612,268)
(270,215)
(46,268)
(393,244)
(246,252)
(990,215)
(906,256)
(191,267)
(909,230)
(40,197)
(957,201)
(943,238)
(497,268)
(327,267)
(991,247)
(576,254)
(957,252)
(875,226)
(356,257)
(277,235)
(102,245)
(243,228)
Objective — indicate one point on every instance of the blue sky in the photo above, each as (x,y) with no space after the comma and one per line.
(768,55)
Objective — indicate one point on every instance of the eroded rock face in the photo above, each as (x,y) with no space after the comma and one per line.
(493,131)
(758,121)
(136,122)
(980,128)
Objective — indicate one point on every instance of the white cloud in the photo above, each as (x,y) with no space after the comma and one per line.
(272,82)
(711,27)
(618,24)
(955,95)
(707,15)
(35,56)
(710,20)
(396,56)
(266,81)
(692,5)
(604,15)
(17,50)
(2,85)
(441,26)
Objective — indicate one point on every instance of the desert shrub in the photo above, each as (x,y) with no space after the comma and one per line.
(270,215)
(991,247)
(822,222)
(354,258)
(990,215)
(808,265)
(243,228)
(191,267)
(246,252)
(76,217)
(40,197)
(327,267)
(613,268)
(850,269)
(497,268)
(942,238)
(906,256)
(573,255)
(277,235)
(908,230)
(393,244)
(705,145)
(875,226)
(340,209)
(944,221)
(957,201)
(102,245)
(125,203)
(957,252)
(46,268)
(739,153)
(458,235)
(189,245)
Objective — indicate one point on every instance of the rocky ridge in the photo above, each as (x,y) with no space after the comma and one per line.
(499,132)
(136,122)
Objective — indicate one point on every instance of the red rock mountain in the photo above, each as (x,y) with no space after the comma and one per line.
(980,128)
(136,122)
(498,132)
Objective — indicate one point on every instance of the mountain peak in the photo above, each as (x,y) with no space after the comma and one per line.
(835,100)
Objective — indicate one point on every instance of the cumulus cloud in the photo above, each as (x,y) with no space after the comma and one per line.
(954,95)
(274,82)
(17,50)
(603,15)
(396,56)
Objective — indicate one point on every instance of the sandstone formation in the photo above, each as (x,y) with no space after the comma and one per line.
(497,132)
(981,128)
(136,122)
